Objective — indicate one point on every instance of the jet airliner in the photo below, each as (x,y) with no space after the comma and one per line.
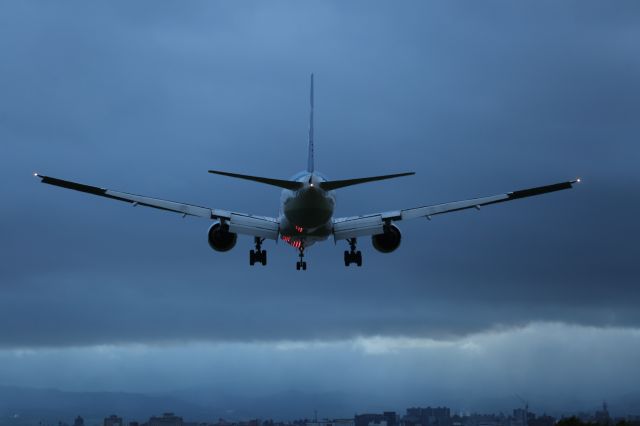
(306,213)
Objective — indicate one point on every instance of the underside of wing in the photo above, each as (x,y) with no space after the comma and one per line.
(373,224)
(260,226)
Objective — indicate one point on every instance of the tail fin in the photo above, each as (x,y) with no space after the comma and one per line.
(310,159)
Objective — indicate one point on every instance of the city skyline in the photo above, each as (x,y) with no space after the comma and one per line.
(413,416)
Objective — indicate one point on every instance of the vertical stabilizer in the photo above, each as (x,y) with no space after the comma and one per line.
(310,159)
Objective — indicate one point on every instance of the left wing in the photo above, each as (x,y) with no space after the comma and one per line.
(373,224)
(241,223)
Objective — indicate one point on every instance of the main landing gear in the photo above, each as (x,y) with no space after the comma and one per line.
(301,264)
(352,256)
(258,255)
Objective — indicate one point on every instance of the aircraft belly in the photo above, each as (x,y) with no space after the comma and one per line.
(310,210)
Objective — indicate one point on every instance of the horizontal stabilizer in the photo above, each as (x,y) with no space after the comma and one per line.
(286,184)
(335,184)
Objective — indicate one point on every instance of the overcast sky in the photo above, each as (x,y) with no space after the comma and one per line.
(476,98)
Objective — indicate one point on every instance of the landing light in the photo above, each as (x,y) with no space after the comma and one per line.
(578,180)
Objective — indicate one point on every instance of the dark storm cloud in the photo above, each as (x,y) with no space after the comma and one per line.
(545,362)
(477,99)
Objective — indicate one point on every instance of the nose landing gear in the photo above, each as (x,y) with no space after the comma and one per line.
(258,255)
(352,256)
(301,264)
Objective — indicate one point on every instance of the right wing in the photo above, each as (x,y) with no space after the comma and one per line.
(241,223)
(373,224)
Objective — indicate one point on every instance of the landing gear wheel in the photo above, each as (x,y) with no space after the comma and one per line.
(258,255)
(301,264)
(352,256)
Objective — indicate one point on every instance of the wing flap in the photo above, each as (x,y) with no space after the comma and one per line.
(258,226)
(172,206)
(427,211)
(253,225)
(358,226)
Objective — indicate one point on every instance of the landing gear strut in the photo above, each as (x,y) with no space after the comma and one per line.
(258,255)
(352,256)
(301,264)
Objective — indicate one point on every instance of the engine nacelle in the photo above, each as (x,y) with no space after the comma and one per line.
(220,239)
(387,241)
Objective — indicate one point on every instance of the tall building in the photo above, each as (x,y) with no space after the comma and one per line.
(79,421)
(388,418)
(602,416)
(113,420)
(167,419)
(429,416)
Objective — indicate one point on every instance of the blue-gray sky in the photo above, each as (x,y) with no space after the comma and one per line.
(477,98)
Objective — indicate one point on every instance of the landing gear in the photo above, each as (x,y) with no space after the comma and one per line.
(352,256)
(258,255)
(301,264)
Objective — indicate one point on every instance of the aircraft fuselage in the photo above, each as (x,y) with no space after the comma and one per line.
(306,214)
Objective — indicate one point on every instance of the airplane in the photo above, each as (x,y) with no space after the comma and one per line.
(306,212)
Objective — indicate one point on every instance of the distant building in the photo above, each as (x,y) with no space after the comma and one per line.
(437,416)
(388,418)
(167,419)
(334,422)
(542,420)
(484,420)
(113,420)
(602,416)
(79,421)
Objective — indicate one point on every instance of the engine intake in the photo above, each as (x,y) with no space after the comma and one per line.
(220,239)
(387,241)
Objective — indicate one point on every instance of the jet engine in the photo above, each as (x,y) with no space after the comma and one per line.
(387,241)
(220,239)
